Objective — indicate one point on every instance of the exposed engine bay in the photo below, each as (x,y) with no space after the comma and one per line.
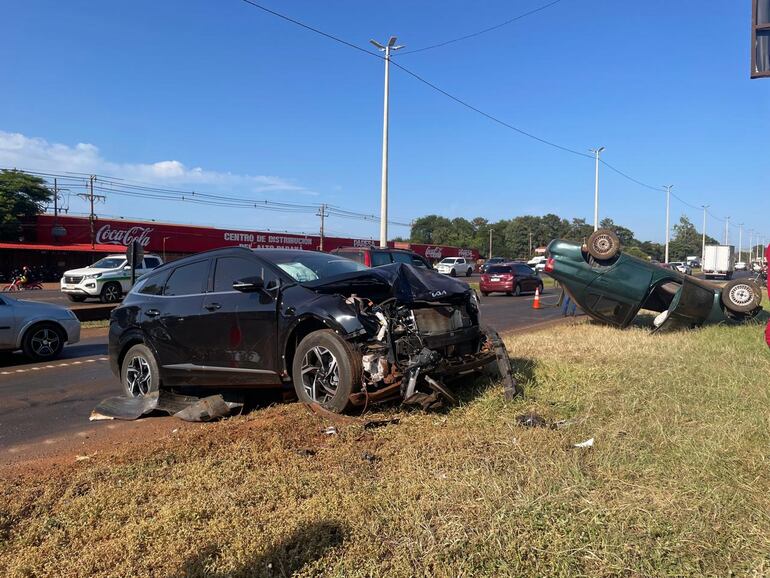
(421,332)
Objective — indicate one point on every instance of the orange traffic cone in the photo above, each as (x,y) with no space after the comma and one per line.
(536,302)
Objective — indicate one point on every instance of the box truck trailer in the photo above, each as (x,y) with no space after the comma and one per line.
(719,261)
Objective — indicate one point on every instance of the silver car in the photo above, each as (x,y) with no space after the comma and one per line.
(40,330)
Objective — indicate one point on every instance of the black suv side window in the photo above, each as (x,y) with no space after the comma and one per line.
(188,279)
(380,258)
(231,269)
(152,284)
(151,262)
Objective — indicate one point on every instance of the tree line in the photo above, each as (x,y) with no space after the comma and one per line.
(517,238)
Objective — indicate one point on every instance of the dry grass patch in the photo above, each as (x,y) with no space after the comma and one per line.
(676,484)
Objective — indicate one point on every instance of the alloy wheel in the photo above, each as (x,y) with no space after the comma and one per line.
(741,294)
(138,376)
(45,342)
(111,293)
(320,374)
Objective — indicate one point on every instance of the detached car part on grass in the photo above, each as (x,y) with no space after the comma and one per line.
(341,334)
(612,287)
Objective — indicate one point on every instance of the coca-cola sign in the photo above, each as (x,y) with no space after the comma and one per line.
(433,252)
(109,235)
(467,253)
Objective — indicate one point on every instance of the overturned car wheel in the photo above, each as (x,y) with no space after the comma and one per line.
(741,296)
(603,244)
(326,370)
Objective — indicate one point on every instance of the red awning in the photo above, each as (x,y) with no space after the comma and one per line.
(78,247)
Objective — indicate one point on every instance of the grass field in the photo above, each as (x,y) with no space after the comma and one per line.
(676,484)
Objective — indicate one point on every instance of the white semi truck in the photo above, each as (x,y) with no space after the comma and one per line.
(719,261)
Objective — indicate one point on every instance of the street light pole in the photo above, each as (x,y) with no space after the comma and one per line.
(387,49)
(727,230)
(596,152)
(703,242)
(668,211)
(740,241)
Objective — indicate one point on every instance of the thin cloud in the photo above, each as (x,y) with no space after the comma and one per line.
(31,153)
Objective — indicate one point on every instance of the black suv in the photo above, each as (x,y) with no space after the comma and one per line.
(377,257)
(340,332)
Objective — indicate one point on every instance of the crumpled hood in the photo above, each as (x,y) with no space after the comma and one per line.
(405,283)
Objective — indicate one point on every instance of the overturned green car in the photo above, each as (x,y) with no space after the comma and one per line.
(612,287)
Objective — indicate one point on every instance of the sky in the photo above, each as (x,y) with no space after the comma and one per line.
(218,96)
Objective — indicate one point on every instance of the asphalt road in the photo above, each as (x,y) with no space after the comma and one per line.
(44,403)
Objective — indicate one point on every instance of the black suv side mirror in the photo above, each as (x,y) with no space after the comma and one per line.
(249,285)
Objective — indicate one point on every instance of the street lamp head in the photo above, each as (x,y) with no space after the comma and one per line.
(392,41)
(601,149)
(377,44)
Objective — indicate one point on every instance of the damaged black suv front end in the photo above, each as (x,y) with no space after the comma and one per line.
(420,331)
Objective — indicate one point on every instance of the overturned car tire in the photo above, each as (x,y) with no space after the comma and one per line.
(741,295)
(326,370)
(603,244)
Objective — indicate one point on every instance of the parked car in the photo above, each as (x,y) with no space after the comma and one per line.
(38,329)
(337,331)
(741,266)
(455,266)
(612,287)
(681,266)
(492,261)
(377,257)
(511,279)
(108,279)
(537,263)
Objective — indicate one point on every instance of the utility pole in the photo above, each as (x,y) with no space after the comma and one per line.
(703,242)
(387,49)
(727,230)
(751,247)
(596,152)
(91,198)
(490,244)
(530,244)
(668,211)
(740,241)
(55,200)
(323,214)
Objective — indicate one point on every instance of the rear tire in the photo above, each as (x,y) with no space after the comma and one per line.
(603,244)
(741,296)
(76,298)
(485,293)
(111,292)
(43,341)
(326,370)
(139,374)
(517,290)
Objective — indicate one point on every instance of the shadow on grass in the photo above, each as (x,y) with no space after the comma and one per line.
(304,546)
(523,372)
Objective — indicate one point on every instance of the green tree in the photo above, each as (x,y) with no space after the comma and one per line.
(625,235)
(21,195)
(431,229)
(687,240)
(636,252)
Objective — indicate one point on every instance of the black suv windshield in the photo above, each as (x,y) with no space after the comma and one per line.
(306,266)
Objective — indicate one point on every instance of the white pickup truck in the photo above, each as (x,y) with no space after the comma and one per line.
(108,279)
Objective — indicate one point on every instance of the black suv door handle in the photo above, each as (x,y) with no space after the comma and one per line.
(152,313)
(213,306)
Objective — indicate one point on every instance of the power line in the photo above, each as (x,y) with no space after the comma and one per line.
(484,31)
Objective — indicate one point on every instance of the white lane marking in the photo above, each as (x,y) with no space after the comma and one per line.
(38,368)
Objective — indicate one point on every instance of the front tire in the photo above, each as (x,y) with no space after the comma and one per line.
(469,272)
(741,296)
(452,273)
(139,373)
(76,298)
(326,370)
(43,342)
(111,292)
(517,290)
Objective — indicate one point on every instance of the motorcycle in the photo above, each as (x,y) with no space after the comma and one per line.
(17,285)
